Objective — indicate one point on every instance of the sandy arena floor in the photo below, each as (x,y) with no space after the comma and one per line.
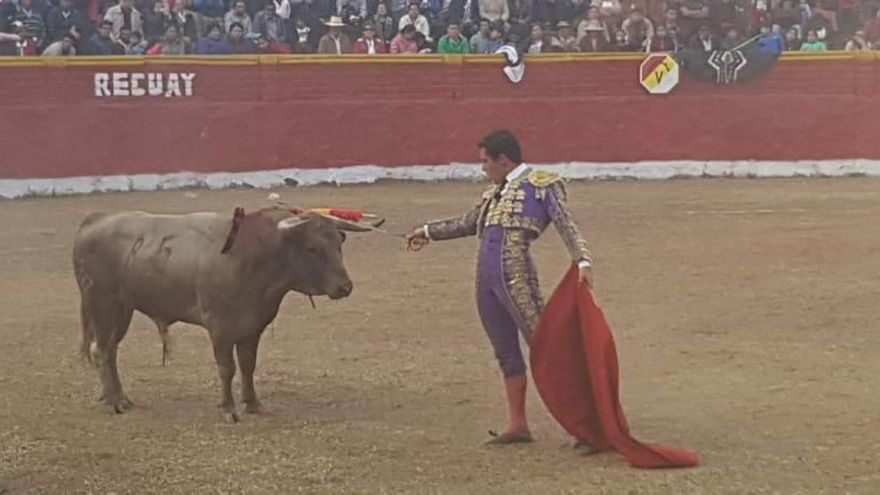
(746,316)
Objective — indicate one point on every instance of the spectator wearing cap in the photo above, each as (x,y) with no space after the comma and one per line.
(123,14)
(770,41)
(238,42)
(638,28)
(595,38)
(335,41)
(662,41)
(65,47)
(370,43)
(213,43)
(813,43)
(704,40)
(564,40)
(102,43)
(495,10)
(693,14)
(592,20)
(405,41)
(61,18)
(269,25)
(415,18)
(537,42)
(172,43)
(237,14)
(453,41)
(384,23)
(32,23)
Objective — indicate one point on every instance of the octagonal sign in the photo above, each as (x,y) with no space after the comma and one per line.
(658,73)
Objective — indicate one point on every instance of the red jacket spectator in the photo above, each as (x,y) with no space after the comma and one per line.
(362,46)
(405,42)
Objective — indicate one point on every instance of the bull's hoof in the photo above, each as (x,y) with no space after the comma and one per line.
(229,413)
(117,405)
(253,407)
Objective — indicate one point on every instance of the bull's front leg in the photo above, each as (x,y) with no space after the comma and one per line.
(247,361)
(226,369)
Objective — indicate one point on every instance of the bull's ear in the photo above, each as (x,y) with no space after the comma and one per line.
(291,223)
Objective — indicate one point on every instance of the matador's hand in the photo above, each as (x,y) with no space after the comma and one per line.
(417,239)
(586,273)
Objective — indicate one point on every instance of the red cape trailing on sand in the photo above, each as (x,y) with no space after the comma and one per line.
(574,364)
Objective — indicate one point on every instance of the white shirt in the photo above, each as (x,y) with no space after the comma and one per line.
(519,171)
(282,8)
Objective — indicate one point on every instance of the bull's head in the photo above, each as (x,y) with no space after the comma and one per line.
(313,245)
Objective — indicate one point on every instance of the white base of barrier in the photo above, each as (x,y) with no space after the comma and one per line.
(366,174)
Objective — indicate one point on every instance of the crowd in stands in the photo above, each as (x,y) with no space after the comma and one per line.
(218,27)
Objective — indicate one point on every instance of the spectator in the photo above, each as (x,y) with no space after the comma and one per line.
(857,43)
(213,10)
(123,41)
(138,44)
(592,20)
(786,14)
(422,43)
(827,10)
(17,43)
(694,13)
(335,41)
(123,14)
(495,10)
(238,43)
(171,44)
(154,22)
(405,41)
(792,40)
(770,41)
(813,43)
(537,42)
(704,40)
(610,11)
(33,25)
(723,15)
(620,42)
(61,48)
(732,39)
(346,8)
(62,17)
(213,43)
(662,41)
(872,29)
(370,43)
(415,18)
(848,15)
(480,42)
(595,39)
(521,10)
(383,23)
(186,21)
(564,40)
(238,13)
(269,26)
(102,42)
(302,42)
(670,22)
(453,41)
(398,9)
(638,28)
(282,8)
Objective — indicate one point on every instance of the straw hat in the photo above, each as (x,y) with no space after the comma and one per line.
(335,21)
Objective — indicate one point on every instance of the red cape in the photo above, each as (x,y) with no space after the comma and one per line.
(574,364)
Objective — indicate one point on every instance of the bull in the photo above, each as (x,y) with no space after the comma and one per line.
(226,275)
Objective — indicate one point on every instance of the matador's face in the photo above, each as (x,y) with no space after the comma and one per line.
(496,169)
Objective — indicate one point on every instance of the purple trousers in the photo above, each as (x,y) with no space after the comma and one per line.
(508,298)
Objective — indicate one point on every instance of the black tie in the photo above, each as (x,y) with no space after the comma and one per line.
(500,188)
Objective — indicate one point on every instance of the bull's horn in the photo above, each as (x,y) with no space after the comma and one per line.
(291,222)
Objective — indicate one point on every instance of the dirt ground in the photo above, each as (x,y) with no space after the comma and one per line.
(745,313)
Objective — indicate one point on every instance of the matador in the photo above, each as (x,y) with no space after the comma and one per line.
(510,215)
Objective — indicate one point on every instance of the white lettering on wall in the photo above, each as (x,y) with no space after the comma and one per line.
(145,84)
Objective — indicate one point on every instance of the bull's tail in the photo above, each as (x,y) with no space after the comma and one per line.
(88,334)
(166,340)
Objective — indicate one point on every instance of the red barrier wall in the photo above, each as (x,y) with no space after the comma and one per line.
(267,113)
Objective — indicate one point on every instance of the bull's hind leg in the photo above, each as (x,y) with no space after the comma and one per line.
(246,350)
(109,319)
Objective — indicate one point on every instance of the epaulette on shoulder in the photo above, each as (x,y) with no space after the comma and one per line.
(543,178)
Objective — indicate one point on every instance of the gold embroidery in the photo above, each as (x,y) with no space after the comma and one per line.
(543,178)
(521,282)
